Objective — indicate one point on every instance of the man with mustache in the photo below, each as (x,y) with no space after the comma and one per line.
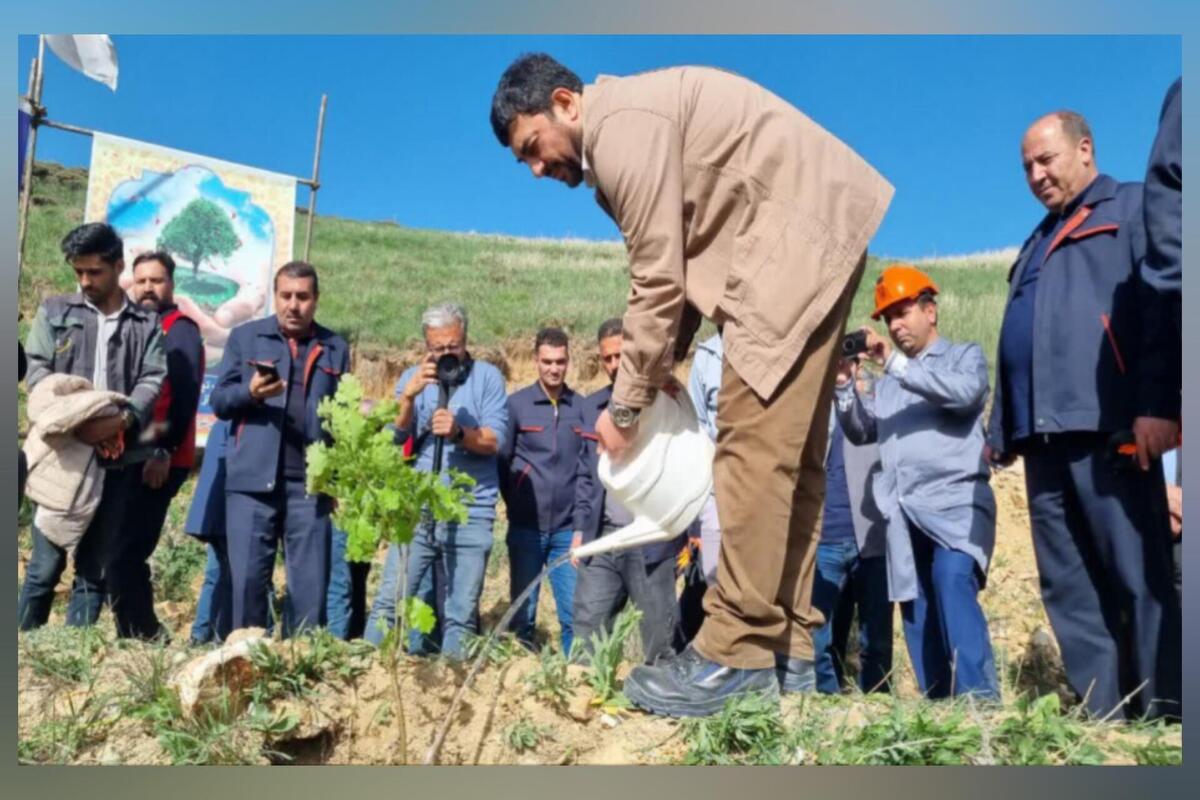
(174,443)
(1087,350)
(97,334)
(274,374)
(737,207)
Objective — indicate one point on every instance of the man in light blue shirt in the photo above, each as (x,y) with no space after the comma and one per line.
(473,428)
(933,489)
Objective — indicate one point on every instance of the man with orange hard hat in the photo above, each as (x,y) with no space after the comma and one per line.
(927,416)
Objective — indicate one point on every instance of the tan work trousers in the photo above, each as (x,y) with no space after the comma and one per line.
(769,480)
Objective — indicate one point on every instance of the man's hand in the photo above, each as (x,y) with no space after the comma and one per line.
(576,541)
(99,429)
(613,440)
(443,423)
(879,347)
(847,370)
(997,460)
(262,387)
(154,472)
(1154,437)
(1175,509)
(426,374)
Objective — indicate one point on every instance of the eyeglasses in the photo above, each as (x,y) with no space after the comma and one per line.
(444,349)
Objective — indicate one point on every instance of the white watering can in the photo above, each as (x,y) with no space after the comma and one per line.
(664,480)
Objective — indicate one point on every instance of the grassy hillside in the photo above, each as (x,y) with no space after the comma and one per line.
(377,277)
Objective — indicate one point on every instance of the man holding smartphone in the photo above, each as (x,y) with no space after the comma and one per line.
(274,374)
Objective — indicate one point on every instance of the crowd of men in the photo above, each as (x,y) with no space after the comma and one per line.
(838,489)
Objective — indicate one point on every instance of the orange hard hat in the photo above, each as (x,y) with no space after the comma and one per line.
(900,282)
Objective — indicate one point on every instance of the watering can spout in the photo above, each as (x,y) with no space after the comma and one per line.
(637,533)
(663,483)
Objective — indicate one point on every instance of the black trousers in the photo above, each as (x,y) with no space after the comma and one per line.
(127,577)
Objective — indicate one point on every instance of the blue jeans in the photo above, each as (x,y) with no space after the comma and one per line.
(844,581)
(944,628)
(346,602)
(463,550)
(92,555)
(205,628)
(529,551)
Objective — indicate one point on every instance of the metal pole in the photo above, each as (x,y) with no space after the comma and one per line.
(316,178)
(35,102)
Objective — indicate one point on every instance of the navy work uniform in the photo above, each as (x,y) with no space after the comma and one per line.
(1086,347)
(537,479)
(265,468)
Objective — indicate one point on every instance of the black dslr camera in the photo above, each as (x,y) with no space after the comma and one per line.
(451,370)
(854,344)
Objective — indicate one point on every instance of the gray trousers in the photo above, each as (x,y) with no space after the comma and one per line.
(606,581)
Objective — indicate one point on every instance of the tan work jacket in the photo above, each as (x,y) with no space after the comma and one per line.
(732,204)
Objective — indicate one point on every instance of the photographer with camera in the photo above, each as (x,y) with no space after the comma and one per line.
(454,408)
(933,490)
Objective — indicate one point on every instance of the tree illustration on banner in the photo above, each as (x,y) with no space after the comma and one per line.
(198,233)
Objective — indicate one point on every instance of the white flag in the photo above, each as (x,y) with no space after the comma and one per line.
(92,54)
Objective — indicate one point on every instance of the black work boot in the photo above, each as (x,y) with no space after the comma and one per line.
(689,685)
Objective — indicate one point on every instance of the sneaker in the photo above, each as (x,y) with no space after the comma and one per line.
(795,675)
(689,685)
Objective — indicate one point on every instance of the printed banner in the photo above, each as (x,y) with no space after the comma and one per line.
(229,228)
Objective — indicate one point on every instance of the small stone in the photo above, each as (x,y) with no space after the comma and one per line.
(579,707)
(609,721)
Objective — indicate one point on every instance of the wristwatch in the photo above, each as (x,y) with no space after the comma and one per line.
(458,437)
(623,416)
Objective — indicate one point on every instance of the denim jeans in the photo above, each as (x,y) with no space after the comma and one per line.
(346,603)
(608,580)
(463,550)
(843,582)
(95,549)
(529,551)
(944,628)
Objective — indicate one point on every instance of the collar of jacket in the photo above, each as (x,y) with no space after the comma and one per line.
(940,345)
(1102,187)
(269,327)
(131,308)
(567,395)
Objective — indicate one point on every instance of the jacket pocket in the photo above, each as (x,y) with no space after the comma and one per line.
(531,428)
(780,263)
(1112,342)
(521,478)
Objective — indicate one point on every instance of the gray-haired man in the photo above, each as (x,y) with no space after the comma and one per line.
(473,427)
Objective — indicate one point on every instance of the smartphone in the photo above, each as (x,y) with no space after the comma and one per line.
(267,370)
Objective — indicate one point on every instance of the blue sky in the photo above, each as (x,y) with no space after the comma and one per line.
(407,137)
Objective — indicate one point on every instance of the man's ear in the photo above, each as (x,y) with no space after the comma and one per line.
(565,104)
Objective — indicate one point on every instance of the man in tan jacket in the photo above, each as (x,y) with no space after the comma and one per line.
(736,207)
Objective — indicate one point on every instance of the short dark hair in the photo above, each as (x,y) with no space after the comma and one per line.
(298,269)
(94,239)
(161,256)
(525,88)
(1075,125)
(610,327)
(551,337)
